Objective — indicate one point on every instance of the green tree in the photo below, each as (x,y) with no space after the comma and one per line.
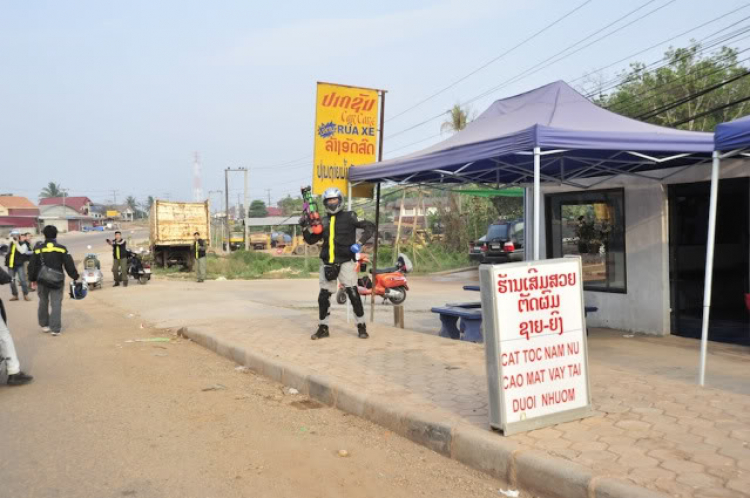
(257,209)
(290,205)
(132,203)
(51,190)
(458,118)
(149,202)
(684,91)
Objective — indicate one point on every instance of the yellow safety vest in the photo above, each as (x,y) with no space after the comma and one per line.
(331,248)
(12,256)
(196,250)
(117,251)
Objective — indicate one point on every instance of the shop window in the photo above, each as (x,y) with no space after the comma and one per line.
(591,225)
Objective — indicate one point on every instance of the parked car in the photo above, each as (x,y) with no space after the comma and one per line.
(504,242)
(476,253)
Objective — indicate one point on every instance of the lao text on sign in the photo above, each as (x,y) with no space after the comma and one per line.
(346,135)
(535,343)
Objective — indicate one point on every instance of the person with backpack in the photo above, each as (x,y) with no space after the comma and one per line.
(46,274)
(8,353)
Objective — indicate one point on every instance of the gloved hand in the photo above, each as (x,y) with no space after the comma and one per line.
(355,248)
(302,221)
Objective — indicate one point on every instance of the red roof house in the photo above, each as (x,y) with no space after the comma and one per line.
(80,204)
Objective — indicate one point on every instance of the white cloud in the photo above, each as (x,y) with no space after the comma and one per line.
(312,41)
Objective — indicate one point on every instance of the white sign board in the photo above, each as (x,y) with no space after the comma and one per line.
(535,343)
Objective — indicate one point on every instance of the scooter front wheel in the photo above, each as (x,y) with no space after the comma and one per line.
(397,295)
(143,280)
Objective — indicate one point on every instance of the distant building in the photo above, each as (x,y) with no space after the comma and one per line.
(64,218)
(18,213)
(80,204)
(124,212)
(98,211)
(414,208)
(274,211)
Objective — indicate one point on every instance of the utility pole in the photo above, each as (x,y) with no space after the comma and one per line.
(221,234)
(226,203)
(226,197)
(245,209)
(114,196)
(268,191)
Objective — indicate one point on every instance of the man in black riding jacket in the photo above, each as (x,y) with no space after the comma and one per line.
(56,258)
(337,256)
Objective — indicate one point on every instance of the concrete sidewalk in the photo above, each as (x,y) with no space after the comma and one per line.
(651,435)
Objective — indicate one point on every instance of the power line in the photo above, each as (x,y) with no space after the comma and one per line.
(689,98)
(711,111)
(667,41)
(531,70)
(666,61)
(492,61)
(539,67)
(672,84)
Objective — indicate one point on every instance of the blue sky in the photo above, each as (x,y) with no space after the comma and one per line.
(119,95)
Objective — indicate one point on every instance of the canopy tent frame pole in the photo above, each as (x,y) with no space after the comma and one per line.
(537,199)
(710,245)
(377,206)
(349,208)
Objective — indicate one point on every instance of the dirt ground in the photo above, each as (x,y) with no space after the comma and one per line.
(110,418)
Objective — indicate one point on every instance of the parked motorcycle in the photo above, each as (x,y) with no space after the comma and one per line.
(138,269)
(92,271)
(390,283)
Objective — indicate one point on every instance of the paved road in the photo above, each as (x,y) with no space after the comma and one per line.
(110,418)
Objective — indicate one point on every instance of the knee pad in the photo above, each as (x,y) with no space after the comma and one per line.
(356,301)
(324,303)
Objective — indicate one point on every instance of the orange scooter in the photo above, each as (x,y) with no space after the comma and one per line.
(390,283)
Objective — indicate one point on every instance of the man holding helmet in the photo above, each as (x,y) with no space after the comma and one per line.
(337,256)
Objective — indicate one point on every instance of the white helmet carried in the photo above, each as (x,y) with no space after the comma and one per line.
(333,193)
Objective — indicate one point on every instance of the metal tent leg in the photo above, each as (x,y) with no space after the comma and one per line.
(537,199)
(710,243)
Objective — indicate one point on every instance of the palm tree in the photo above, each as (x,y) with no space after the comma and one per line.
(131,202)
(457,119)
(149,202)
(51,190)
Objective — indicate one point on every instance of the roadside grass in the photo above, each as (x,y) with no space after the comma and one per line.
(249,265)
(426,259)
(252,265)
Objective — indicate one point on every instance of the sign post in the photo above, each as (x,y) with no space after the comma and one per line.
(346,135)
(535,343)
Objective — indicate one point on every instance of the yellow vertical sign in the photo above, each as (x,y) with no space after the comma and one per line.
(346,135)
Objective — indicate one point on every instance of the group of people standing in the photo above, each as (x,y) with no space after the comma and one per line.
(46,264)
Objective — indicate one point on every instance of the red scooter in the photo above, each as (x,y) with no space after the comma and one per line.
(390,283)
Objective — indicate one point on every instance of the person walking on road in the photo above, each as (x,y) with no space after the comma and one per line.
(7,348)
(200,257)
(14,260)
(119,259)
(46,273)
(27,259)
(337,256)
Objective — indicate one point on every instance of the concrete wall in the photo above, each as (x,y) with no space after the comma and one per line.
(645,306)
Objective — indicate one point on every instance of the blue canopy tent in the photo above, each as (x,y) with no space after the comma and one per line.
(552,134)
(730,139)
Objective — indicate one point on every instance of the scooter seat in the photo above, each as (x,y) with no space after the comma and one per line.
(391,269)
